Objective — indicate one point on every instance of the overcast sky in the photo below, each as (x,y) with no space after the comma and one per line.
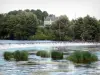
(71,8)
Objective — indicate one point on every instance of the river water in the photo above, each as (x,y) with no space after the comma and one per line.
(60,67)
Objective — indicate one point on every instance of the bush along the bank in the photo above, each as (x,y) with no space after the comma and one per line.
(8,55)
(82,57)
(17,55)
(56,55)
(43,54)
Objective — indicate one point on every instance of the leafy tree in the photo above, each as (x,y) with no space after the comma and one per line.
(3,27)
(78,28)
(90,28)
(86,28)
(60,27)
(22,25)
(38,13)
(45,14)
(42,34)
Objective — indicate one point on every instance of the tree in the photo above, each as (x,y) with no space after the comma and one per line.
(45,14)
(60,28)
(3,26)
(90,28)
(22,25)
(86,28)
(38,13)
(42,34)
(78,28)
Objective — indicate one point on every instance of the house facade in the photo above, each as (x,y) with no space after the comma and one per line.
(49,20)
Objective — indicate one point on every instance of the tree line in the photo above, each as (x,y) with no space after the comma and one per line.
(25,25)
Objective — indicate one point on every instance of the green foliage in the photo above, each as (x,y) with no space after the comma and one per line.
(60,27)
(25,25)
(20,24)
(21,55)
(17,55)
(86,28)
(42,34)
(44,54)
(8,55)
(24,55)
(82,57)
(55,55)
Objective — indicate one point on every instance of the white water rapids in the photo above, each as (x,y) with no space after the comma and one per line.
(44,44)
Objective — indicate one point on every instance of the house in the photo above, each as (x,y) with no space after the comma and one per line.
(49,20)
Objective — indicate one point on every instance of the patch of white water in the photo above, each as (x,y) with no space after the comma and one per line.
(44,45)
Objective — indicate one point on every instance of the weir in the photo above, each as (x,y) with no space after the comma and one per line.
(42,44)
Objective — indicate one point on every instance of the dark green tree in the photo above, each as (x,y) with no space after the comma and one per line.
(60,28)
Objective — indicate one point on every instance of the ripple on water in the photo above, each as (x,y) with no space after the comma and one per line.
(64,68)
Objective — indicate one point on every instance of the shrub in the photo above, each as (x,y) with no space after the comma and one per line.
(8,55)
(24,55)
(82,57)
(55,55)
(17,55)
(21,55)
(43,54)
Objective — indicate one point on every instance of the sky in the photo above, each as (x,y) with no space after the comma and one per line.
(72,8)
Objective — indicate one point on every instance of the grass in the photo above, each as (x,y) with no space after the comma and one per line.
(43,54)
(17,55)
(82,57)
(56,55)
(8,55)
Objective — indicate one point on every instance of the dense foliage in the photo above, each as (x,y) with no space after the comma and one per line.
(44,54)
(26,25)
(55,55)
(21,55)
(17,55)
(20,24)
(8,55)
(82,57)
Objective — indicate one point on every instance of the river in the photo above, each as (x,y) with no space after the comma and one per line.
(63,67)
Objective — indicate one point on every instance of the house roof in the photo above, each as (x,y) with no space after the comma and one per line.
(50,17)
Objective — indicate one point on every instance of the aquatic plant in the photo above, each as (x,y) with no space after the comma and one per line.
(43,53)
(82,57)
(17,55)
(21,55)
(56,55)
(8,55)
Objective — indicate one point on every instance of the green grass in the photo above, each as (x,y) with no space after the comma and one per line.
(56,55)
(17,55)
(21,55)
(82,57)
(43,54)
(8,55)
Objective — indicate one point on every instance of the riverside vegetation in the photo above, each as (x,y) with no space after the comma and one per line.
(26,25)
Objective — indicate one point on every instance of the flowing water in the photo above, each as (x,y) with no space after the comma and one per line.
(48,66)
